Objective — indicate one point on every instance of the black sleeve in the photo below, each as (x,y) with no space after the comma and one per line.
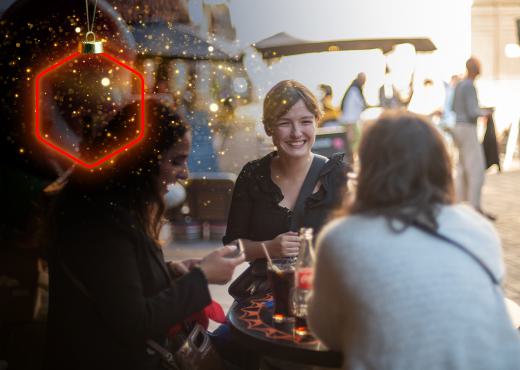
(241,207)
(110,267)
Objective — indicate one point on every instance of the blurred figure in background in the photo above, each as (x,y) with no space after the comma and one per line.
(391,290)
(428,100)
(330,112)
(448,115)
(471,164)
(352,105)
(389,95)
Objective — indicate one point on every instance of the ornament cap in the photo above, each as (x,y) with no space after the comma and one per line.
(91,46)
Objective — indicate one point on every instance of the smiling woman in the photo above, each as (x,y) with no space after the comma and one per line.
(268,188)
(264,208)
(294,133)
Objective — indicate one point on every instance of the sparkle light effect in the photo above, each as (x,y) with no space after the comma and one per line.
(213,107)
(74,156)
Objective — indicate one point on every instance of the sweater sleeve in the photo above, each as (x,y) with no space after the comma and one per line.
(324,313)
(240,209)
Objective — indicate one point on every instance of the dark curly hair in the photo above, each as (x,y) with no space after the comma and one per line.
(132,180)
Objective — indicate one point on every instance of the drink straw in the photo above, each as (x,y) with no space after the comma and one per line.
(269,260)
(241,246)
(267,254)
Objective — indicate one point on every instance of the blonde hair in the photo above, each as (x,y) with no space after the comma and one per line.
(282,97)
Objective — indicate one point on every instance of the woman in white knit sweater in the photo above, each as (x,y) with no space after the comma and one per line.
(390,295)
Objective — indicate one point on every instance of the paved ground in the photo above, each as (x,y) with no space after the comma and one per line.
(500,197)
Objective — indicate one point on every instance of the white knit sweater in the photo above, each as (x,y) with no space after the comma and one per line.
(411,301)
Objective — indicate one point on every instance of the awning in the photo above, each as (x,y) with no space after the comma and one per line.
(283,44)
(177,41)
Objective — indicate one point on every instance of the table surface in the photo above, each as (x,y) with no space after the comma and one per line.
(251,322)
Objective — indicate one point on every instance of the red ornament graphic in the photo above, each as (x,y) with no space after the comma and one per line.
(82,92)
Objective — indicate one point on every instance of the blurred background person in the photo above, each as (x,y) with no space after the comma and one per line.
(428,101)
(471,164)
(390,97)
(448,117)
(330,111)
(388,291)
(352,105)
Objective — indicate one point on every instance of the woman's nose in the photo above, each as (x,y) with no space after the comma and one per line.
(296,129)
(183,173)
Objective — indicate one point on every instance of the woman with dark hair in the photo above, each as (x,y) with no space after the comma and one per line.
(392,289)
(110,288)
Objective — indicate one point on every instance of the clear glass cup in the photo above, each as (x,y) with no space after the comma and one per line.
(281,278)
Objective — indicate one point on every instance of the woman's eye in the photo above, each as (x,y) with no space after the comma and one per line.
(282,124)
(177,161)
(308,122)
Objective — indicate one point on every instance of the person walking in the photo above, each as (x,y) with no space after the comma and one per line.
(471,164)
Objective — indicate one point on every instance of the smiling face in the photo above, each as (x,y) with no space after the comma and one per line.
(174,163)
(294,133)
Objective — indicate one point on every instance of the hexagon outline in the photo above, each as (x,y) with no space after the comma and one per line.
(60,150)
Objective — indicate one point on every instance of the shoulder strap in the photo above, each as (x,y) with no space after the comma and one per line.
(472,255)
(307,187)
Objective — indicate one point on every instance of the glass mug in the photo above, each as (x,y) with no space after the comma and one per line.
(281,278)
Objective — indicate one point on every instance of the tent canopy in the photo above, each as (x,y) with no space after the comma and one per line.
(283,44)
(177,41)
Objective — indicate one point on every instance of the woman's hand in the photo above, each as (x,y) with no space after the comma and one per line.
(284,245)
(179,268)
(218,268)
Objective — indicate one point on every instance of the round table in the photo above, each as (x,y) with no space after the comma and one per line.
(251,323)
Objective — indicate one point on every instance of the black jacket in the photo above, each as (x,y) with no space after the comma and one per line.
(133,296)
